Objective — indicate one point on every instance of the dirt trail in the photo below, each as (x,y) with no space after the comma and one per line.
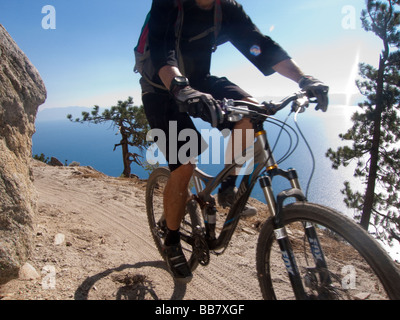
(108,252)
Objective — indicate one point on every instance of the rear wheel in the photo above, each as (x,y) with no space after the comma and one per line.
(155,215)
(357,266)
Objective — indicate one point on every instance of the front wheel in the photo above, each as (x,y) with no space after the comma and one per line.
(356,265)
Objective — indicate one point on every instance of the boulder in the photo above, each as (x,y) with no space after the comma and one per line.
(55,162)
(22,91)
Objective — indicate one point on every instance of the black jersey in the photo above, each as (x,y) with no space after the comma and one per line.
(192,53)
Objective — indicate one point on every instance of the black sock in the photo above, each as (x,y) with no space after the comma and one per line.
(173,237)
(228,182)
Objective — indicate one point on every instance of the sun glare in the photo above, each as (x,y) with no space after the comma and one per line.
(351,87)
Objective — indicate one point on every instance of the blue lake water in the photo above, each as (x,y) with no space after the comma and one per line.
(92,145)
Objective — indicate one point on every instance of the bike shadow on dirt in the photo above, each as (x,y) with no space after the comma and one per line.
(136,287)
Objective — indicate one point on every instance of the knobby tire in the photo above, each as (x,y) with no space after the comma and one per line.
(342,242)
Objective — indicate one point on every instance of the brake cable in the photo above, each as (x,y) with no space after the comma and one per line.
(309,149)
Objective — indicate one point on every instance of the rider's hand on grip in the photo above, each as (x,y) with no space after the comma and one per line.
(316,88)
(198,105)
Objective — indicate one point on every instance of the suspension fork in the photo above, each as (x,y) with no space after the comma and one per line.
(312,237)
(275,208)
(282,238)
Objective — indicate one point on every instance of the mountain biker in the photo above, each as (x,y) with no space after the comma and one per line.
(177,78)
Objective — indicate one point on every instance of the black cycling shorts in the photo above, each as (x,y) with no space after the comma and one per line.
(162,113)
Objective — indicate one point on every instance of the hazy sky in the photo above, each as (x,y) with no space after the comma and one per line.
(88,58)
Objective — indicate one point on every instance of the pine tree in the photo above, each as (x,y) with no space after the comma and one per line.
(131,123)
(375,133)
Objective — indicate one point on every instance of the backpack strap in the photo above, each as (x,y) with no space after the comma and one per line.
(178,34)
(216,28)
(179,19)
(217,22)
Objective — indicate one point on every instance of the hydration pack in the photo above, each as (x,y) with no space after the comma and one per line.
(142,50)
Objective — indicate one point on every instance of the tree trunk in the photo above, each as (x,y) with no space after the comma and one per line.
(125,155)
(373,169)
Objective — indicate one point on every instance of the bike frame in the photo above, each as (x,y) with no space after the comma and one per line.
(264,169)
(263,158)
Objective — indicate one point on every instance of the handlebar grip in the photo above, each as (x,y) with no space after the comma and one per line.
(264,109)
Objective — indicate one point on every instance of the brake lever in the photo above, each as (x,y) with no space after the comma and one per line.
(301,104)
(227,106)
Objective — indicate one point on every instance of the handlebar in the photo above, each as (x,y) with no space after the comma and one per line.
(235,110)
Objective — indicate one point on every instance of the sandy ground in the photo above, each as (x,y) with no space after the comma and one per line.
(92,241)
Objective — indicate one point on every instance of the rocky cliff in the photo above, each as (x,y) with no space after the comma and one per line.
(22,91)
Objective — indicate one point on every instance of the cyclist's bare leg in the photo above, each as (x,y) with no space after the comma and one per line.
(242,137)
(240,129)
(175,195)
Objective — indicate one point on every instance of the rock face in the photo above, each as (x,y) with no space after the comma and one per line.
(22,91)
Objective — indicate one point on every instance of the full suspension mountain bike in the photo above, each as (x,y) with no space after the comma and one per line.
(304,250)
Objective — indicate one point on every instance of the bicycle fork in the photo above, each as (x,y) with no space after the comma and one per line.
(281,235)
